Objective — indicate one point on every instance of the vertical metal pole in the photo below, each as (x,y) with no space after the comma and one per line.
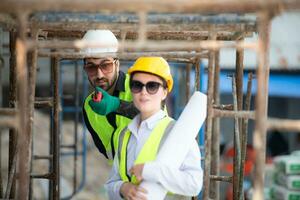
(209,122)
(1,66)
(215,149)
(239,73)
(188,79)
(77,106)
(12,99)
(197,88)
(22,101)
(32,83)
(261,101)
(245,134)
(1,183)
(237,145)
(54,183)
(197,73)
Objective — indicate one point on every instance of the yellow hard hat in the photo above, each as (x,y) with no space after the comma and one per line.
(154,65)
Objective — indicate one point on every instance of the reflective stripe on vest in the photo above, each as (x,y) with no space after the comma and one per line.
(102,127)
(148,151)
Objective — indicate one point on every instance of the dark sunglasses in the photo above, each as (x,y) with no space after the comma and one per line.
(105,67)
(151,86)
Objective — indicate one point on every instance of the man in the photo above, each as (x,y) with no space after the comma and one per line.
(107,117)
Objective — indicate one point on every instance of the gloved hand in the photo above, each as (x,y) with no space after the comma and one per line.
(107,104)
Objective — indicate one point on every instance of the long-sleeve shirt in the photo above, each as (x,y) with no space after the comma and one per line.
(187,180)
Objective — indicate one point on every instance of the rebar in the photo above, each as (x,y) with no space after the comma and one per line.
(244,135)
(12,99)
(215,148)
(55,133)
(261,100)
(192,6)
(237,145)
(22,101)
(209,122)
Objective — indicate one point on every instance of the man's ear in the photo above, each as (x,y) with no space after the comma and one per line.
(117,62)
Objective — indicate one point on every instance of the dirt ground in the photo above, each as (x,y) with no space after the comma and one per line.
(97,169)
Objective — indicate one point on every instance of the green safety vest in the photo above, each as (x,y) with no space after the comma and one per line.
(148,151)
(106,135)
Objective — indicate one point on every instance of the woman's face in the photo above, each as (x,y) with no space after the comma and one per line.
(147,101)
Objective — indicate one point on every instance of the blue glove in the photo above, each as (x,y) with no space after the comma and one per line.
(107,104)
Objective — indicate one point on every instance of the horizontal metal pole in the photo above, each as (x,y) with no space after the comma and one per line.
(42,176)
(223,106)
(221,178)
(67,146)
(8,121)
(43,102)
(44,157)
(283,124)
(233,114)
(8,111)
(125,55)
(191,6)
(151,18)
(169,45)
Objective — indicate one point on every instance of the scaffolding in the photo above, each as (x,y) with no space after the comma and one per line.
(170,29)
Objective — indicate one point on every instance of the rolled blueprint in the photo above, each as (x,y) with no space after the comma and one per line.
(178,142)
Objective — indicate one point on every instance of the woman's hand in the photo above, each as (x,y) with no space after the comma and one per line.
(133,192)
(137,171)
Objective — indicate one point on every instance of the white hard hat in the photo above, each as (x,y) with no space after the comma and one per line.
(103,37)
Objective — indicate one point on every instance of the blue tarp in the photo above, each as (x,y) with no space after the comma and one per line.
(280,84)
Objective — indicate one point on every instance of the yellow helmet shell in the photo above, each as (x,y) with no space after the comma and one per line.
(154,65)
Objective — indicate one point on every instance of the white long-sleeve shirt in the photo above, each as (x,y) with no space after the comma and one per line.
(187,180)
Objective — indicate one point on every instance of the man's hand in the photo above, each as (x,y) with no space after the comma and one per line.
(137,171)
(133,192)
(107,104)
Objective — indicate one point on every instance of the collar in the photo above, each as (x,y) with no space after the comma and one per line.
(120,84)
(150,123)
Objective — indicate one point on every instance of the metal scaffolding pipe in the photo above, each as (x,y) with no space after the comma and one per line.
(283,124)
(22,101)
(55,146)
(215,149)
(197,64)
(239,74)
(187,80)
(192,6)
(8,111)
(31,102)
(209,122)
(221,178)
(11,188)
(237,145)
(8,122)
(147,45)
(49,176)
(245,134)
(171,56)
(259,137)
(232,114)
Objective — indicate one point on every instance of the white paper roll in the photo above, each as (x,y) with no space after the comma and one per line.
(179,140)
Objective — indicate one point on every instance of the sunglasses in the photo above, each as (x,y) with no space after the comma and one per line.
(151,86)
(105,67)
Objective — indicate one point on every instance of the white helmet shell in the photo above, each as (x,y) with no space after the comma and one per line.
(103,37)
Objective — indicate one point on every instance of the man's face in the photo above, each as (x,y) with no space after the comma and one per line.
(102,72)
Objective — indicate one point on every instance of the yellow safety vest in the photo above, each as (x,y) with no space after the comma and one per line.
(148,151)
(106,135)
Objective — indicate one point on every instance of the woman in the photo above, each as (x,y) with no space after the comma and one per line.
(150,82)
